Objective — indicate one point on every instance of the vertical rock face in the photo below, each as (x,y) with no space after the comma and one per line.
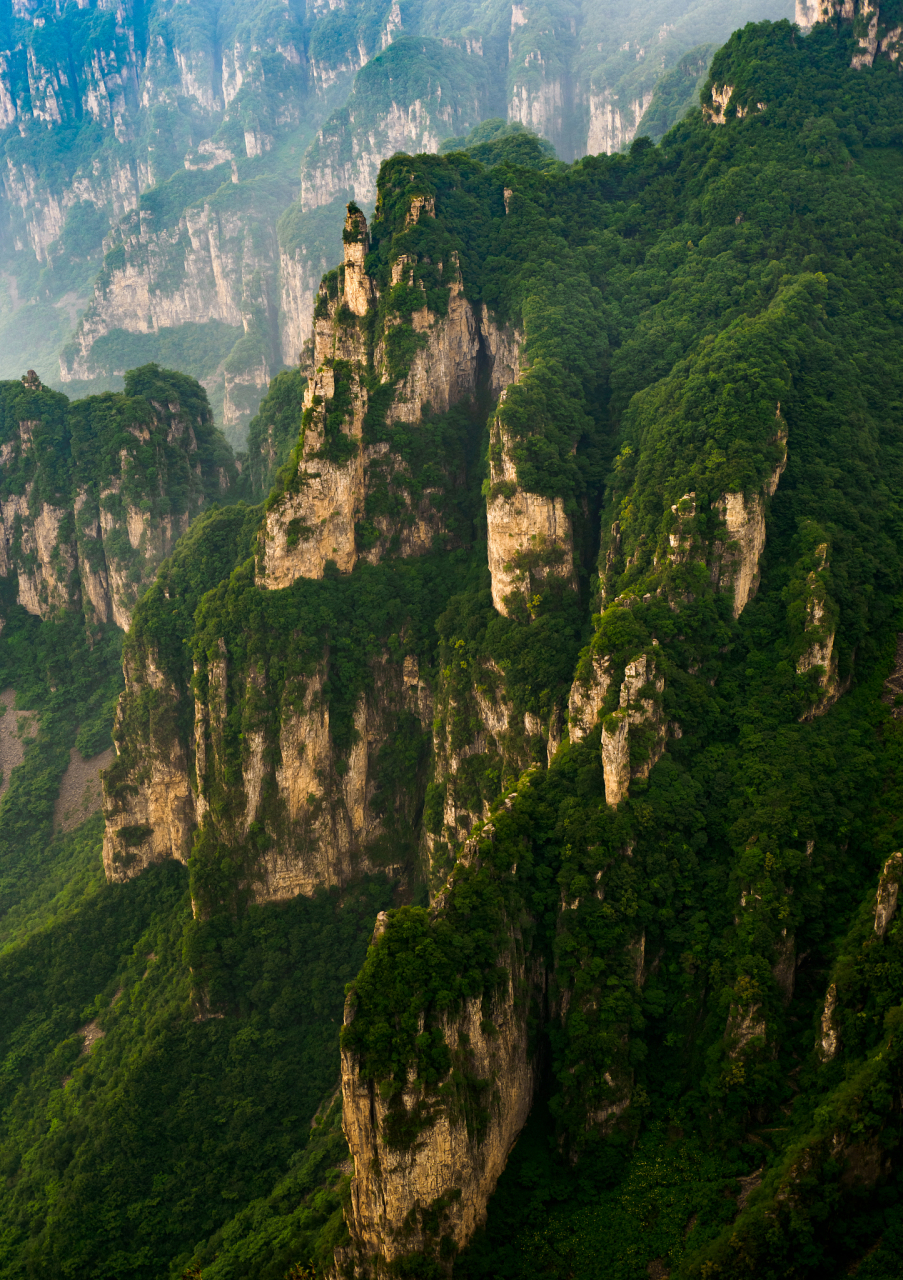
(588,694)
(445,369)
(316,519)
(314,522)
(876,36)
(316,808)
(477,730)
(888,892)
(611,126)
(530,537)
(405,1199)
(84,524)
(633,738)
(736,553)
(298,281)
(149,809)
(820,630)
(829,1037)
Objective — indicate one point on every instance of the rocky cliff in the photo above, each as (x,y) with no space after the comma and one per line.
(427,1156)
(352,493)
(96,493)
(876,26)
(601,745)
(190,208)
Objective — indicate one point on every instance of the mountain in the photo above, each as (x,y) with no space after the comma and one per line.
(174,174)
(498,872)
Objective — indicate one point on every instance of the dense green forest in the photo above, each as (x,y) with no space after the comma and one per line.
(682,304)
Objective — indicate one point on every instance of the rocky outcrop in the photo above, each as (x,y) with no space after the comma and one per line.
(36,545)
(208,267)
(298,281)
(149,805)
(477,732)
(313,523)
(316,807)
(613,126)
(382,117)
(530,537)
(82,527)
(819,655)
(316,519)
(736,551)
(721,99)
(875,35)
(888,892)
(407,1199)
(588,696)
(829,1035)
(633,736)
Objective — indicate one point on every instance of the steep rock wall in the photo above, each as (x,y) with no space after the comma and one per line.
(735,553)
(613,126)
(530,537)
(149,805)
(638,712)
(316,518)
(84,523)
(394,1193)
(426,1195)
(316,806)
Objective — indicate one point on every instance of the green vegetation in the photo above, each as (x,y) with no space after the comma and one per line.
(497,142)
(274,431)
(195,349)
(682,306)
(699,308)
(677,93)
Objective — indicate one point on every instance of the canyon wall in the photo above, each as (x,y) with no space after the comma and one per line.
(350,495)
(96,495)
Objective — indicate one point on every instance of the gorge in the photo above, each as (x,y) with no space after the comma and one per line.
(498,870)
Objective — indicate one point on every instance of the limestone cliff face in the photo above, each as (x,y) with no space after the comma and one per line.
(36,545)
(530,537)
(588,696)
(634,730)
(612,125)
(209,266)
(477,729)
(150,807)
(633,736)
(316,807)
(888,892)
(736,552)
(820,631)
(314,522)
(316,519)
(89,535)
(343,161)
(299,277)
(407,1199)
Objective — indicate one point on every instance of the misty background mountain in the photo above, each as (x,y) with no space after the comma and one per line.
(174,175)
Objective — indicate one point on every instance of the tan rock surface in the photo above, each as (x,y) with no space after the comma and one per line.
(529,535)
(153,819)
(392,1189)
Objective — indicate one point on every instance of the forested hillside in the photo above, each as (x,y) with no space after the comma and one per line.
(174,174)
(498,873)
